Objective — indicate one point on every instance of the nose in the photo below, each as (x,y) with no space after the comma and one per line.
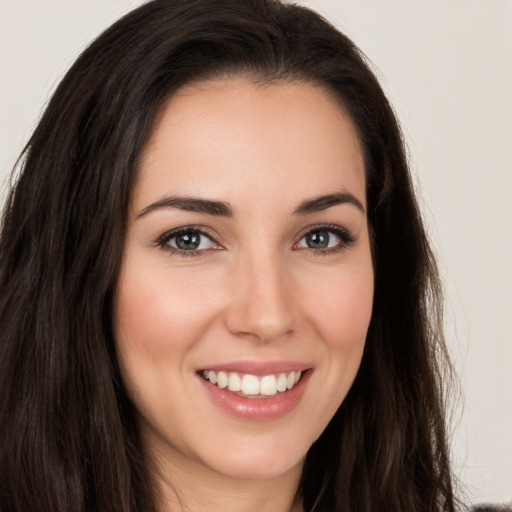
(261,302)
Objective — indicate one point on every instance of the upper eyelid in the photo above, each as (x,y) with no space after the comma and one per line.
(203,230)
(335,228)
(347,236)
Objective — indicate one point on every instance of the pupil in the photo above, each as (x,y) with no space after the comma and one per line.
(318,240)
(188,242)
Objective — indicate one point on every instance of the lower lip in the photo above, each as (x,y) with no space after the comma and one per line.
(257,408)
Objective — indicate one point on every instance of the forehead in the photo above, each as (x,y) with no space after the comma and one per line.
(233,137)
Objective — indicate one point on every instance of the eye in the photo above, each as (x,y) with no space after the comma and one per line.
(320,239)
(326,239)
(191,240)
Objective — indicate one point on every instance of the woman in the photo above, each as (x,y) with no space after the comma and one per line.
(217,290)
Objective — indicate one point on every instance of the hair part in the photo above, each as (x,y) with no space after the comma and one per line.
(71,440)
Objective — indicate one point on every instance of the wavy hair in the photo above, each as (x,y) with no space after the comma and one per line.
(70,441)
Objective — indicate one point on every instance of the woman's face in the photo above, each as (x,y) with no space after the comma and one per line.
(246,265)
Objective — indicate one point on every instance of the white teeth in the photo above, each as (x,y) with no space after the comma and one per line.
(222,380)
(281,382)
(248,384)
(234,382)
(268,385)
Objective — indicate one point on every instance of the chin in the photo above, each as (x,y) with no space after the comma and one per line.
(245,467)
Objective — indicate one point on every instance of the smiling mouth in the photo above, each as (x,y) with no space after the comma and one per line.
(252,386)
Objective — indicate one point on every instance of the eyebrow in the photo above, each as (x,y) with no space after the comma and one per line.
(222,209)
(190,204)
(320,203)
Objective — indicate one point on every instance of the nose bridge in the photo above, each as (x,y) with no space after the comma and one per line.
(261,302)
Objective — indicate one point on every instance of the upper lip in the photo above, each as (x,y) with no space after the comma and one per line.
(258,367)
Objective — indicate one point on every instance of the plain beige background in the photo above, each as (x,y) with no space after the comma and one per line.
(447,68)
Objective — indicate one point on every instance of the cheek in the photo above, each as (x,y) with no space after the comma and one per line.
(342,308)
(340,311)
(159,321)
(156,312)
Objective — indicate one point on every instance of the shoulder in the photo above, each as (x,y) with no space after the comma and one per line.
(492,508)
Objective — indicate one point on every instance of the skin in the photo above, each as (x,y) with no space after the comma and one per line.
(254,291)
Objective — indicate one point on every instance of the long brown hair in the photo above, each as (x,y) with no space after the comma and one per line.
(69,438)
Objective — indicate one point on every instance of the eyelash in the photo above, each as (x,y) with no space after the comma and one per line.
(347,239)
(164,240)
